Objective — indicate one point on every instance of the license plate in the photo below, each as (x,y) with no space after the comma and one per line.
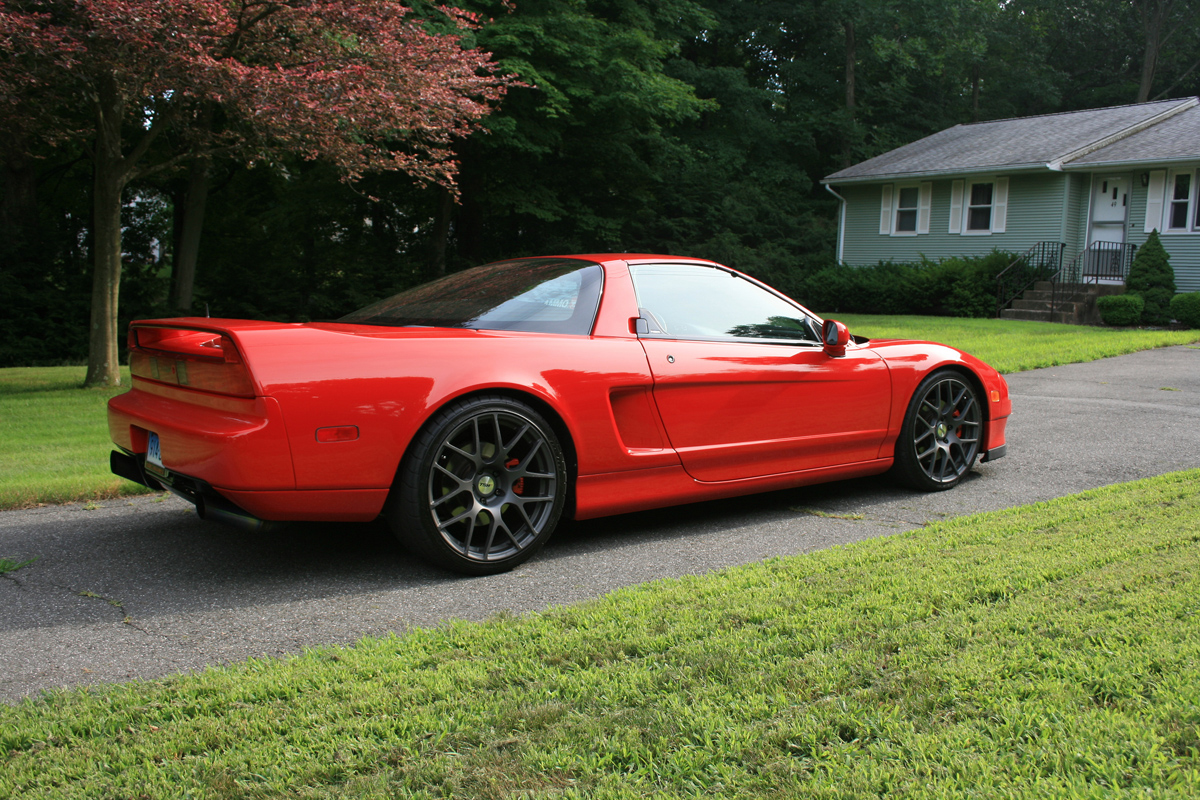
(154,451)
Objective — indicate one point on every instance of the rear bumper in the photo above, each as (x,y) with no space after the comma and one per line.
(222,441)
(253,510)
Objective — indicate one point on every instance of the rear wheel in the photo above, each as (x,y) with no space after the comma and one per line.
(481,487)
(942,428)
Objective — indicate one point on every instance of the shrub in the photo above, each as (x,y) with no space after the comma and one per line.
(954,287)
(1186,309)
(1120,309)
(1151,277)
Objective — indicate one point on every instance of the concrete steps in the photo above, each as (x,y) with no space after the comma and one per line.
(1074,304)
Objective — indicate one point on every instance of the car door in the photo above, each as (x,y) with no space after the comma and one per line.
(742,382)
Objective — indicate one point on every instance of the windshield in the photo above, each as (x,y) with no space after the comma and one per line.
(542,295)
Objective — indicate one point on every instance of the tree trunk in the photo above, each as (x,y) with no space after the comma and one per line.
(1154,14)
(441,228)
(104,368)
(975,93)
(187,249)
(851,56)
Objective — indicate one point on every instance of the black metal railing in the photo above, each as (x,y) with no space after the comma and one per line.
(1039,263)
(1101,261)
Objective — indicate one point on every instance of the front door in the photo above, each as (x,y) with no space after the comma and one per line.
(1106,229)
(742,383)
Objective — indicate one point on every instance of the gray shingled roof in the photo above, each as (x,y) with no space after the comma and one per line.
(1173,139)
(1008,144)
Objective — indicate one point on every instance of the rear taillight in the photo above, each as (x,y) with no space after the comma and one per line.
(203,360)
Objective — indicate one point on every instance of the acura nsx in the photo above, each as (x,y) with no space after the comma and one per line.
(477,411)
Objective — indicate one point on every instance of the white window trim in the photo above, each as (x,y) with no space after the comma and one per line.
(999,219)
(1167,195)
(889,208)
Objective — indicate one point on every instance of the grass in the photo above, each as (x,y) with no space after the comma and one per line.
(8,565)
(1014,345)
(54,436)
(54,441)
(1045,651)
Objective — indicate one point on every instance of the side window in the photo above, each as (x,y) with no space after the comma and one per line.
(682,301)
(1180,197)
(979,207)
(906,209)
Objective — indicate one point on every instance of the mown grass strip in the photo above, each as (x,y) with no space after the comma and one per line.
(1046,651)
(1016,345)
(54,441)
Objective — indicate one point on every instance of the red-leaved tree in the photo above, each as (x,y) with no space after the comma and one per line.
(149,85)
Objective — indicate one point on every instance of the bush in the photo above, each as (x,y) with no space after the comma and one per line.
(1120,309)
(955,287)
(1186,309)
(1151,277)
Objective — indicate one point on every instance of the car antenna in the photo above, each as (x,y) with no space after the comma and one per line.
(206,310)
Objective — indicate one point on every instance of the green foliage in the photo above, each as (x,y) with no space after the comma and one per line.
(1151,277)
(1120,309)
(1051,650)
(1186,308)
(8,565)
(957,287)
(698,127)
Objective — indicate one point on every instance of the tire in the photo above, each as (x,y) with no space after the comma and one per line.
(481,487)
(939,441)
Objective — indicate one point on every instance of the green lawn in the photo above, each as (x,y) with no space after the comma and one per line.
(1013,345)
(1046,651)
(54,446)
(54,441)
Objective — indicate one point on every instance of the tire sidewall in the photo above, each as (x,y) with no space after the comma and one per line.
(907,467)
(408,507)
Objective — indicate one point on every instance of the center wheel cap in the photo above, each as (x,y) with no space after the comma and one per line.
(486,485)
(941,430)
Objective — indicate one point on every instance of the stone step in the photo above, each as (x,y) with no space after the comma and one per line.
(1038,316)
(1063,297)
(1025,304)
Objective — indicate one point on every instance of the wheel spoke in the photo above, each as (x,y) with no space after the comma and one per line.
(507,448)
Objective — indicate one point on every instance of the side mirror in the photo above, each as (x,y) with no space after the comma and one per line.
(835,336)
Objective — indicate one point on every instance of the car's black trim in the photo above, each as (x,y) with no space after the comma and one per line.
(209,503)
(995,452)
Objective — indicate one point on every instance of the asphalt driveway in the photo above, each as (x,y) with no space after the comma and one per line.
(143,588)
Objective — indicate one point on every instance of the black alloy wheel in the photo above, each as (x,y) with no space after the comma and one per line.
(942,429)
(482,486)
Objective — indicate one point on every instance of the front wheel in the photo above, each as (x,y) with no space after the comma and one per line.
(481,488)
(940,438)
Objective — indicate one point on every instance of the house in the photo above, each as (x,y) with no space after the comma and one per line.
(1087,187)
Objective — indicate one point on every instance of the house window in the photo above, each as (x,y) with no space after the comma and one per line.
(905,210)
(979,209)
(1181,194)
(907,201)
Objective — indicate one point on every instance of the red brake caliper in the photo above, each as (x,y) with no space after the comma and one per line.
(519,486)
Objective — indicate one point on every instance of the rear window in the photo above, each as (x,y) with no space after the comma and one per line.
(540,295)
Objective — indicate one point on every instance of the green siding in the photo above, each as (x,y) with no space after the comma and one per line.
(1184,248)
(1076,229)
(1035,214)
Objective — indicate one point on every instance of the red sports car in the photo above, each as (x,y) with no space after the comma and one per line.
(476,411)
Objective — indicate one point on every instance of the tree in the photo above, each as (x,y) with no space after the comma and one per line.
(364,84)
(1152,278)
